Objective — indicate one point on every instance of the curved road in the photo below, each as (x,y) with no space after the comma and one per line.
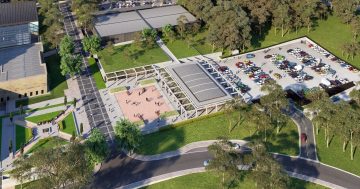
(123,170)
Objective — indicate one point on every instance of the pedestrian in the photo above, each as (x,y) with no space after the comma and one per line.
(139,93)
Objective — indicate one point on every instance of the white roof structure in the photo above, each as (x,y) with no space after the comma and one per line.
(133,21)
(20,62)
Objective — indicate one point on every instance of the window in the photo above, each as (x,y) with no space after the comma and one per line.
(42,91)
(7,98)
(31,93)
(36,92)
(25,95)
(19,95)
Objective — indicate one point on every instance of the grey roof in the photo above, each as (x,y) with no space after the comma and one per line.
(21,61)
(126,22)
(18,13)
(199,86)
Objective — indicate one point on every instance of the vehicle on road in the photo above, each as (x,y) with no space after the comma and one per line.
(206,163)
(303,138)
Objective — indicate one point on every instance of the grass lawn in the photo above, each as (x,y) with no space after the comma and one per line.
(147,81)
(43,117)
(68,124)
(49,142)
(181,49)
(210,180)
(23,135)
(56,82)
(330,34)
(100,84)
(117,89)
(335,156)
(117,60)
(212,127)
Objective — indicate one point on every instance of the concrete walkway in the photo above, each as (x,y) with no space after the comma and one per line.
(166,50)
(183,150)
(45,103)
(45,111)
(8,133)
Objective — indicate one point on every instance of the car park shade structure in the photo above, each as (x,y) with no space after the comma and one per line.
(201,87)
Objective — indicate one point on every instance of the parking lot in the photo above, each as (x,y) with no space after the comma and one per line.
(295,65)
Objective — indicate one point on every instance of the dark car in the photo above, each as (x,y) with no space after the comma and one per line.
(267,56)
(222,68)
(303,137)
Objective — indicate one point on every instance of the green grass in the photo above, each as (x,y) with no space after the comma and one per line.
(100,84)
(335,156)
(117,89)
(49,142)
(115,61)
(210,180)
(170,113)
(180,48)
(68,124)
(56,82)
(147,81)
(43,117)
(23,135)
(213,126)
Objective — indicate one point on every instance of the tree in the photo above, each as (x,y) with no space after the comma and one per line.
(96,147)
(55,167)
(225,161)
(261,121)
(168,32)
(73,137)
(281,17)
(355,27)
(274,103)
(181,26)
(150,36)
(127,135)
(53,35)
(355,95)
(91,44)
(67,46)
(345,9)
(265,171)
(81,128)
(319,100)
(70,65)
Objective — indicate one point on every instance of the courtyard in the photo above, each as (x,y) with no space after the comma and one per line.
(142,104)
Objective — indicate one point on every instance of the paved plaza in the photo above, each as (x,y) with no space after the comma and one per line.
(145,103)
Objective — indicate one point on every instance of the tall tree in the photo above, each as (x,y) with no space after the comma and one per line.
(266,172)
(127,135)
(181,26)
(281,18)
(55,167)
(96,147)
(345,9)
(225,161)
(67,46)
(71,65)
(168,32)
(274,103)
(91,44)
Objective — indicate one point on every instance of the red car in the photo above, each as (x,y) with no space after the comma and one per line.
(222,68)
(303,137)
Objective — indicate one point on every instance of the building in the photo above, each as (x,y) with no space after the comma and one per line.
(121,27)
(22,69)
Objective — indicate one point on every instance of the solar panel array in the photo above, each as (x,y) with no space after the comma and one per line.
(200,84)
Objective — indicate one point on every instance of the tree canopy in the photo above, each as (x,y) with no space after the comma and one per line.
(127,135)
(96,147)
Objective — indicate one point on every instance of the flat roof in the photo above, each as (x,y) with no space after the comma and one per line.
(200,87)
(137,20)
(15,13)
(21,61)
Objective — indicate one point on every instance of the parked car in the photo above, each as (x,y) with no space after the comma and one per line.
(277,76)
(267,56)
(250,56)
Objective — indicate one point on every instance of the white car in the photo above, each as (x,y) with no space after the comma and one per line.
(206,163)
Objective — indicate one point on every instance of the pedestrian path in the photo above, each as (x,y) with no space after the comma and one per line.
(45,111)
(8,133)
(166,50)
(43,104)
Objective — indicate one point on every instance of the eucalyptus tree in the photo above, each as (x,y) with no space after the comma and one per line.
(355,27)
(168,32)
(96,147)
(281,16)
(274,102)
(355,95)
(309,12)
(345,9)
(265,171)
(319,100)
(260,120)
(181,26)
(225,161)
(200,8)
